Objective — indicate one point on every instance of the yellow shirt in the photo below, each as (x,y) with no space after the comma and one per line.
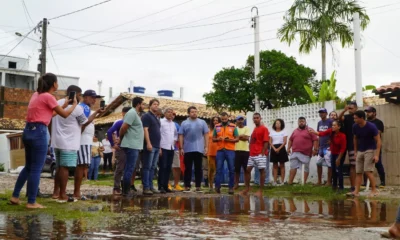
(243,145)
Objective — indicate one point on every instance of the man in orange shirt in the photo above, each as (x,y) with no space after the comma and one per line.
(225,135)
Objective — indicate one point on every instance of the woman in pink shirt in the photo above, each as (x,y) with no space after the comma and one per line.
(35,136)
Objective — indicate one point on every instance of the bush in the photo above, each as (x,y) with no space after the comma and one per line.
(1,167)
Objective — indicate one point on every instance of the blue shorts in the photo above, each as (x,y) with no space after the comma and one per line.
(66,158)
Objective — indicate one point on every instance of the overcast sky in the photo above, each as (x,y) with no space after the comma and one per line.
(184,56)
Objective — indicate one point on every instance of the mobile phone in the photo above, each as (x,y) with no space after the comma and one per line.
(102,105)
(71,97)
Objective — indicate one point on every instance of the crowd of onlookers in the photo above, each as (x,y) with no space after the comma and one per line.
(154,143)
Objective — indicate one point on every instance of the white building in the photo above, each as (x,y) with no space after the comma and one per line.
(15,73)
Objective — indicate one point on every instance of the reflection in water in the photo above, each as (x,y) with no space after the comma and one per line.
(229,216)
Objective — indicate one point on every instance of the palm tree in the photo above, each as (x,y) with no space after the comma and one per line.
(321,22)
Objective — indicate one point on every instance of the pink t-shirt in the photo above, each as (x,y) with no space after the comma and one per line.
(302,141)
(40,108)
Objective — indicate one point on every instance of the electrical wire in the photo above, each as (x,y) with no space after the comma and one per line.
(27,12)
(25,36)
(122,24)
(383,6)
(55,63)
(380,45)
(80,10)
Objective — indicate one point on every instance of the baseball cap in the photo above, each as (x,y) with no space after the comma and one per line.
(370,109)
(239,117)
(91,93)
(322,110)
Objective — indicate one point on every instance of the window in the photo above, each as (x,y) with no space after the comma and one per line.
(12,65)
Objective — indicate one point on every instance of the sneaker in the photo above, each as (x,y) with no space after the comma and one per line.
(147,192)
(231,192)
(169,187)
(178,188)
(169,190)
(187,190)
(133,188)
(218,190)
(154,191)
(198,190)
(274,184)
(162,191)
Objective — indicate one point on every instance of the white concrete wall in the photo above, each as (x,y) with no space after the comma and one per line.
(22,63)
(290,115)
(65,81)
(5,151)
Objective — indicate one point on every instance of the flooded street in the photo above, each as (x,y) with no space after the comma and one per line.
(209,217)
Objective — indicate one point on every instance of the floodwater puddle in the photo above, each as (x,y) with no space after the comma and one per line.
(222,217)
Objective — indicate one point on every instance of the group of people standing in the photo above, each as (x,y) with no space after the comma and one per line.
(162,142)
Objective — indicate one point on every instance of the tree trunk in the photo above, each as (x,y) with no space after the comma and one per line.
(323,52)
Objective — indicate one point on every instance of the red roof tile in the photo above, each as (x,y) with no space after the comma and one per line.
(395,86)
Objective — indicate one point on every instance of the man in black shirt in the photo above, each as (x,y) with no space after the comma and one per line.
(371,116)
(348,122)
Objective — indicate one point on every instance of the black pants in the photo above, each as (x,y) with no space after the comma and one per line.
(165,166)
(189,159)
(107,158)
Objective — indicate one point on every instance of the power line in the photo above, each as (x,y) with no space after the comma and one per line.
(155,30)
(383,6)
(388,50)
(80,10)
(27,12)
(122,24)
(26,35)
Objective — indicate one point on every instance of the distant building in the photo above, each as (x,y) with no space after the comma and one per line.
(15,73)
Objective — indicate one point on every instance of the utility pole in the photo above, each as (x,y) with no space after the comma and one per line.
(357,58)
(256,26)
(99,82)
(42,57)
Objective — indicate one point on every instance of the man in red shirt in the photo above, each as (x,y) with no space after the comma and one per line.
(259,141)
(300,147)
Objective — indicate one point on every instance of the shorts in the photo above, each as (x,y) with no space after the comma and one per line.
(365,161)
(324,158)
(84,155)
(352,159)
(241,160)
(176,163)
(297,159)
(66,158)
(259,161)
(281,156)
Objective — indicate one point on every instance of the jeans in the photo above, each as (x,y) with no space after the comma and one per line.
(107,159)
(150,159)
(191,158)
(94,168)
(337,172)
(165,168)
(35,139)
(131,158)
(229,156)
(257,174)
(398,215)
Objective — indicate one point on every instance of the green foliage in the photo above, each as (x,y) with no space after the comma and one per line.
(327,91)
(280,84)
(341,103)
(1,167)
(321,22)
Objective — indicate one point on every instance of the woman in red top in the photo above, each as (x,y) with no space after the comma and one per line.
(338,148)
(35,136)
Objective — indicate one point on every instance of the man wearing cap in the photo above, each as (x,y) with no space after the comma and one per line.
(226,135)
(84,153)
(241,149)
(371,116)
(324,153)
(348,122)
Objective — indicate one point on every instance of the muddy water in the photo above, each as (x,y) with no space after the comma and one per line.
(229,217)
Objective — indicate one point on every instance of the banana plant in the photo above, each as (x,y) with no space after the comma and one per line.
(327,91)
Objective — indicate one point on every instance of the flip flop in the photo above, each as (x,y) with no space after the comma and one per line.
(13,203)
(71,199)
(373,195)
(61,201)
(350,194)
(388,235)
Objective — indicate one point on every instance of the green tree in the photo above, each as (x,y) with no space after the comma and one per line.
(280,84)
(321,22)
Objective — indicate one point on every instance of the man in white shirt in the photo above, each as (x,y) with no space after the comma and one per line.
(107,154)
(65,139)
(169,137)
(84,153)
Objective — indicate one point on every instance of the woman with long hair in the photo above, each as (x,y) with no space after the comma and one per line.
(212,152)
(338,149)
(278,139)
(35,136)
